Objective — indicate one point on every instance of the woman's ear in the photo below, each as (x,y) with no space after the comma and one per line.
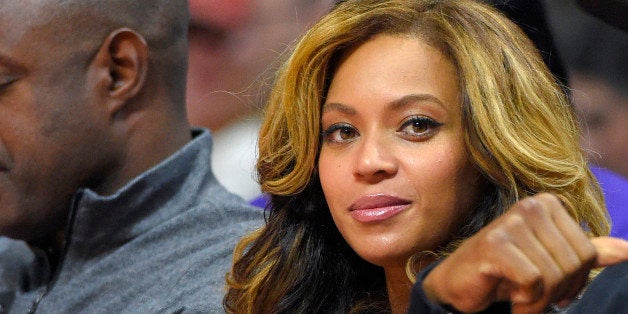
(123,61)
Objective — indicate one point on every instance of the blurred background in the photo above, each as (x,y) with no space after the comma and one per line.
(595,54)
(235,49)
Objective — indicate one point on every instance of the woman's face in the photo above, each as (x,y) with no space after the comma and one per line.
(393,164)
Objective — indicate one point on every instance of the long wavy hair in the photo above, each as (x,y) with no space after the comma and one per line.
(519,127)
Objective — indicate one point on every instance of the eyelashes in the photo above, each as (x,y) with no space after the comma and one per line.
(414,128)
(419,127)
(339,132)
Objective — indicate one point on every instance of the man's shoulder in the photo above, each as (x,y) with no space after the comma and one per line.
(225,207)
(178,265)
(200,253)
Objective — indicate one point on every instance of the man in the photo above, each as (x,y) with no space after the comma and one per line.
(107,199)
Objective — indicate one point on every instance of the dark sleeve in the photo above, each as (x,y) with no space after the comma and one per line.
(608,293)
(420,304)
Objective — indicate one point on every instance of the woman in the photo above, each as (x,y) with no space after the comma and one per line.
(396,131)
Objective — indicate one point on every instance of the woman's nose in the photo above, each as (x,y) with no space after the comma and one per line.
(375,160)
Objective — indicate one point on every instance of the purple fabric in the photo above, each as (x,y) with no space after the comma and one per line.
(260,201)
(615,188)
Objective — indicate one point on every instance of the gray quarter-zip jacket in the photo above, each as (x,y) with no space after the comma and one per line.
(161,244)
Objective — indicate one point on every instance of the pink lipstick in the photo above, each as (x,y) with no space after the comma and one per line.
(379,207)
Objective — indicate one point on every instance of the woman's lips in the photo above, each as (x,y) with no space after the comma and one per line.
(374,208)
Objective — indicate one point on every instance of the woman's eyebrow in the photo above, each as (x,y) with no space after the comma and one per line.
(334,106)
(396,104)
(414,98)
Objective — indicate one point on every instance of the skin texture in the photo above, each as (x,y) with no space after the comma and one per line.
(71,116)
(374,146)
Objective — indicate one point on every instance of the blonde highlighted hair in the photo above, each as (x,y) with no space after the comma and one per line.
(520,131)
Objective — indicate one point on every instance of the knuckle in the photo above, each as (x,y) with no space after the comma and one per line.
(515,222)
(540,205)
(551,200)
(530,206)
(496,237)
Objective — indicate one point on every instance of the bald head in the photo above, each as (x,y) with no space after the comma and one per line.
(81,26)
(159,21)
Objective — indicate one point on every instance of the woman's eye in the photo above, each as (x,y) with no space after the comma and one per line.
(419,127)
(339,133)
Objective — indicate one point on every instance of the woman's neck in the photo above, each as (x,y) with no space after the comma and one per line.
(398,285)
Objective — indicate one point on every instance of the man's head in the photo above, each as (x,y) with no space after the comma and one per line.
(79,79)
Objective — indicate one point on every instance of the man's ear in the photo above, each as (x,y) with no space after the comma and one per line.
(122,61)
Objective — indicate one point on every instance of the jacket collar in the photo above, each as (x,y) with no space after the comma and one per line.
(157,195)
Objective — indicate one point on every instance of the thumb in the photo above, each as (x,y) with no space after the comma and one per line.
(610,251)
